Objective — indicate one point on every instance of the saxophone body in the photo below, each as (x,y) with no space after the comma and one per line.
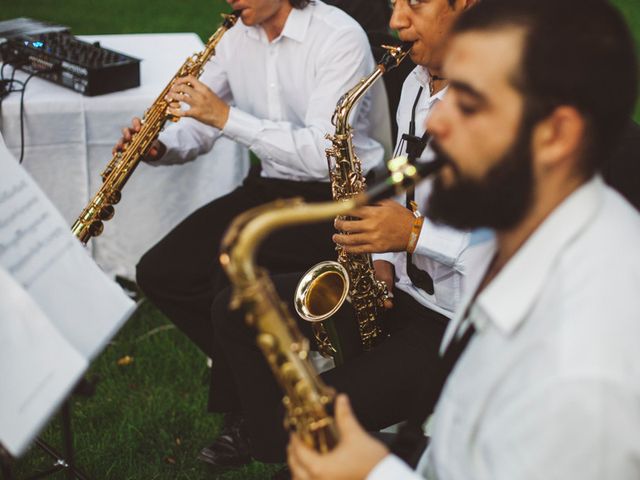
(90,223)
(325,287)
(307,399)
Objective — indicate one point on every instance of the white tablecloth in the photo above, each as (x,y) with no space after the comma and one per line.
(68,141)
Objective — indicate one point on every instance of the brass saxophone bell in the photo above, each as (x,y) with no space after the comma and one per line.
(321,291)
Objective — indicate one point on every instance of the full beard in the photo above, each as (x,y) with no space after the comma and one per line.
(500,200)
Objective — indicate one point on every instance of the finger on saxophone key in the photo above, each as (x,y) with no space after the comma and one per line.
(127,134)
(156,150)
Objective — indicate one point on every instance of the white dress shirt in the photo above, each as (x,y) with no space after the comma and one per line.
(441,251)
(283,94)
(549,386)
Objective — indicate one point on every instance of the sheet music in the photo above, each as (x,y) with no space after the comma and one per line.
(57,308)
(39,251)
(37,366)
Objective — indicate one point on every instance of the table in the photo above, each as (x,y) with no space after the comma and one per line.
(68,141)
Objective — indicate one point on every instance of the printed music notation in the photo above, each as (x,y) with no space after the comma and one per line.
(57,308)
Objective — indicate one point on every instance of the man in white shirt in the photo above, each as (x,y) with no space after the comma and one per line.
(381,382)
(548,385)
(272,87)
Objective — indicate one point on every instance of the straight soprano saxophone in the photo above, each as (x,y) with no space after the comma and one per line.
(120,168)
(324,288)
(306,398)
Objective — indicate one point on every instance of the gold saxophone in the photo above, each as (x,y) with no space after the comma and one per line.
(306,398)
(324,288)
(120,168)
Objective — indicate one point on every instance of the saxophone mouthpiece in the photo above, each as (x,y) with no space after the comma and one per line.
(394,55)
(230,19)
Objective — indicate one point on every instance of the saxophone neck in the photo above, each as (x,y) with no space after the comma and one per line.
(229,20)
(391,59)
(247,231)
(349,99)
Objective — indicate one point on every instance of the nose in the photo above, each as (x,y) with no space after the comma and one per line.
(399,18)
(437,122)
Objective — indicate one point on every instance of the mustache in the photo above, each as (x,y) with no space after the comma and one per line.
(444,157)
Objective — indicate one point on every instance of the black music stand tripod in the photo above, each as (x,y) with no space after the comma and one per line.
(64,461)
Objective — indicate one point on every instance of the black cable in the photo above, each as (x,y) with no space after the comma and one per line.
(24,89)
(10,88)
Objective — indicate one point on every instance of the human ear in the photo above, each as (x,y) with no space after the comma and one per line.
(467,4)
(559,137)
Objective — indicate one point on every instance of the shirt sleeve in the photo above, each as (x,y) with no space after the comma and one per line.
(441,243)
(299,151)
(392,468)
(390,257)
(188,138)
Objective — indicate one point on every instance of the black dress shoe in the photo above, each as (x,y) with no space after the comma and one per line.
(231,448)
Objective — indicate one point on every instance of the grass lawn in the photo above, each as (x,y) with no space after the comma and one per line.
(146,420)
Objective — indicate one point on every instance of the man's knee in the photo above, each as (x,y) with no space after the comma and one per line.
(147,274)
(226,322)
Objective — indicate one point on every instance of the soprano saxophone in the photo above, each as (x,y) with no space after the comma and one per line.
(324,288)
(90,223)
(307,399)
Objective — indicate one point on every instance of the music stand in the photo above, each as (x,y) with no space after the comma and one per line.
(64,461)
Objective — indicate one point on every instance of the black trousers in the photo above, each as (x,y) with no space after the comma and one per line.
(181,275)
(383,384)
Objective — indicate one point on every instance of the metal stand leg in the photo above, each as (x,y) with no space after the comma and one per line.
(62,462)
(67,438)
(5,464)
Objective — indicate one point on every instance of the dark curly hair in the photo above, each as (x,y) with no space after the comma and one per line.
(300,3)
(566,49)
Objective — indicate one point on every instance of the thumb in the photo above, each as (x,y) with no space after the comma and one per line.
(345,419)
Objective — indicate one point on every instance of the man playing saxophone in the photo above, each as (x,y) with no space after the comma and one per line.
(271,86)
(382,383)
(546,383)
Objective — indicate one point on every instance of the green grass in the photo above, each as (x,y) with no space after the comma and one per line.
(200,16)
(147,420)
(122,16)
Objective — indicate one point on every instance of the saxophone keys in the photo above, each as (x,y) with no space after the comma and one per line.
(302,389)
(114,197)
(288,372)
(107,212)
(267,342)
(95,228)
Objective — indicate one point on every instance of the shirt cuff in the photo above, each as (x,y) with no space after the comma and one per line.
(392,467)
(387,256)
(441,243)
(242,127)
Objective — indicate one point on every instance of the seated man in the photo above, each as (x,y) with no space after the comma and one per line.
(272,87)
(548,385)
(382,381)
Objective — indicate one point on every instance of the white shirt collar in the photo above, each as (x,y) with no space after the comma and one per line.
(507,300)
(295,27)
(423,77)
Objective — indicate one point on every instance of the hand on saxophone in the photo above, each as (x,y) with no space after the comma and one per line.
(204,105)
(384,227)
(156,151)
(353,458)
